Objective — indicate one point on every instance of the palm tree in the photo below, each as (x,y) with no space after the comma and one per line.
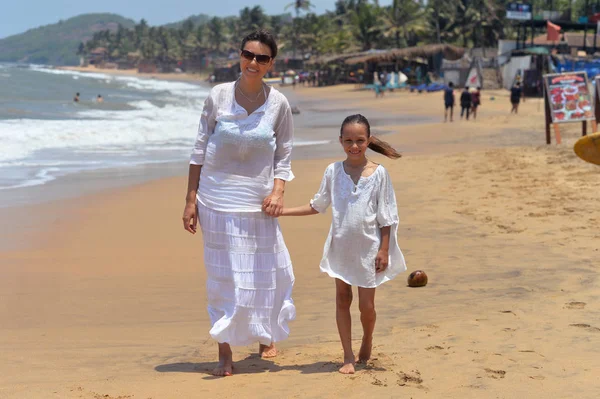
(216,33)
(402,17)
(299,5)
(366,25)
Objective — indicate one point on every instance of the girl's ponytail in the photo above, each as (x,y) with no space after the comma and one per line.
(383,148)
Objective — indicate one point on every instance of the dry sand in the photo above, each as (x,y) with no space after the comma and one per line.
(133,72)
(105,298)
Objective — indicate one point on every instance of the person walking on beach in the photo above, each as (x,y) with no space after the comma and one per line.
(378,85)
(475,102)
(449,102)
(515,97)
(465,103)
(362,247)
(238,169)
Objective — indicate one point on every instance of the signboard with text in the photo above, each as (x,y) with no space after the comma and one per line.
(519,11)
(568,97)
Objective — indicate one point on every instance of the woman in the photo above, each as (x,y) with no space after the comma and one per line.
(237,175)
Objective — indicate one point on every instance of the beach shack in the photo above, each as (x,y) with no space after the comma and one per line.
(417,62)
(97,56)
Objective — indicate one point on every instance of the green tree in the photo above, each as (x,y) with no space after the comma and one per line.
(216,33)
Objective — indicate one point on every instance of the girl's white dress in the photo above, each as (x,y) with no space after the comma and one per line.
(249,271)
(359,211)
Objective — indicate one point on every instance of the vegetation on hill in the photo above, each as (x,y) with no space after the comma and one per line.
(57,43)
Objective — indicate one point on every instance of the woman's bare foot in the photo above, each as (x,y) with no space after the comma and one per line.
(267,351)
(225,367)
(365,350)
(348,367)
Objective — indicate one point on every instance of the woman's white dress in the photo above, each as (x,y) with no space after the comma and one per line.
(358,212)
(249,271)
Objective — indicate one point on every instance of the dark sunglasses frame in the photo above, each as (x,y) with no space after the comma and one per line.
(262,59)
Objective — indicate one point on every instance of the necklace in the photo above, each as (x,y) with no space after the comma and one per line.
(246,97)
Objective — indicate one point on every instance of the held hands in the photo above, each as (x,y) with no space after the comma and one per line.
(273,205)
(381,261)
(190,217)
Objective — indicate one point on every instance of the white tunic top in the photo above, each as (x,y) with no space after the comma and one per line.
(241,154)
(359,211)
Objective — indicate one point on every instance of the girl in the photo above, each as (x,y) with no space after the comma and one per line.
(362,247)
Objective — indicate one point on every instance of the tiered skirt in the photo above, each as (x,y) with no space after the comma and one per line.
(249,277)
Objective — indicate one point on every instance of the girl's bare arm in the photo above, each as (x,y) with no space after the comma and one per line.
(303,210)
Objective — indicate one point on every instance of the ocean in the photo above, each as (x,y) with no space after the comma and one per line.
(45,135)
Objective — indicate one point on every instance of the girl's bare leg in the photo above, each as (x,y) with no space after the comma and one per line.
(366,304)
(343,300)
(225,367)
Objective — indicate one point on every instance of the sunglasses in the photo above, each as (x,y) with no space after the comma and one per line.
(260,58)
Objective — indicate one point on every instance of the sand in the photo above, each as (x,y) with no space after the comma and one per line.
(195,77)
(104,296)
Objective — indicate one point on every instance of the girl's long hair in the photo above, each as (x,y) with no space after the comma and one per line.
(375,143)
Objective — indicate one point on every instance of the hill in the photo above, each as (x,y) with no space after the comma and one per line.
(199,19)
(56,44)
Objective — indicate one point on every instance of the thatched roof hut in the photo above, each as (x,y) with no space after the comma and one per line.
(326,59)
(450,52)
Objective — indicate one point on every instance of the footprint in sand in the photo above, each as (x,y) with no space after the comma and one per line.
(434,348)
(413,378)
(496,374)
(586,326)
(508,311)
(575,305)
(537,377)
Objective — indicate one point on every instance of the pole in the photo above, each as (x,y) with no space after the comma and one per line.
(532,26)
(585,27)
(595,36)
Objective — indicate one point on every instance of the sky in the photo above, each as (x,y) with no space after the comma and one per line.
(19,16)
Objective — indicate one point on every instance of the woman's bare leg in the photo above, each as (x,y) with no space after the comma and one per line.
(343,300)
(225,367)
(366,304)
(266,351)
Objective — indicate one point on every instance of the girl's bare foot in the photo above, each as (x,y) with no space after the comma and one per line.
(267,351)
(365,350)
(225,367)
(348,367)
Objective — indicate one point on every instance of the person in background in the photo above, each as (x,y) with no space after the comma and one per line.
(449,102)
(475,101)
(515,97)
(465,103)
(76,98)
(99,99)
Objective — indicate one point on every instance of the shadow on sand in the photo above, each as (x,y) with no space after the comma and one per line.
(254,364)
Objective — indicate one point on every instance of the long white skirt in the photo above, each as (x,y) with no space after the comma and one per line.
(249,277)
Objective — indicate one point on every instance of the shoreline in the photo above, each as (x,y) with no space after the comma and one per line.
(172,76)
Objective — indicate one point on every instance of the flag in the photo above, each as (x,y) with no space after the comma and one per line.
(553,32)
(473,78)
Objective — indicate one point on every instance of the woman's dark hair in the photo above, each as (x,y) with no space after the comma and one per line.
(375,144)
(263,36)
